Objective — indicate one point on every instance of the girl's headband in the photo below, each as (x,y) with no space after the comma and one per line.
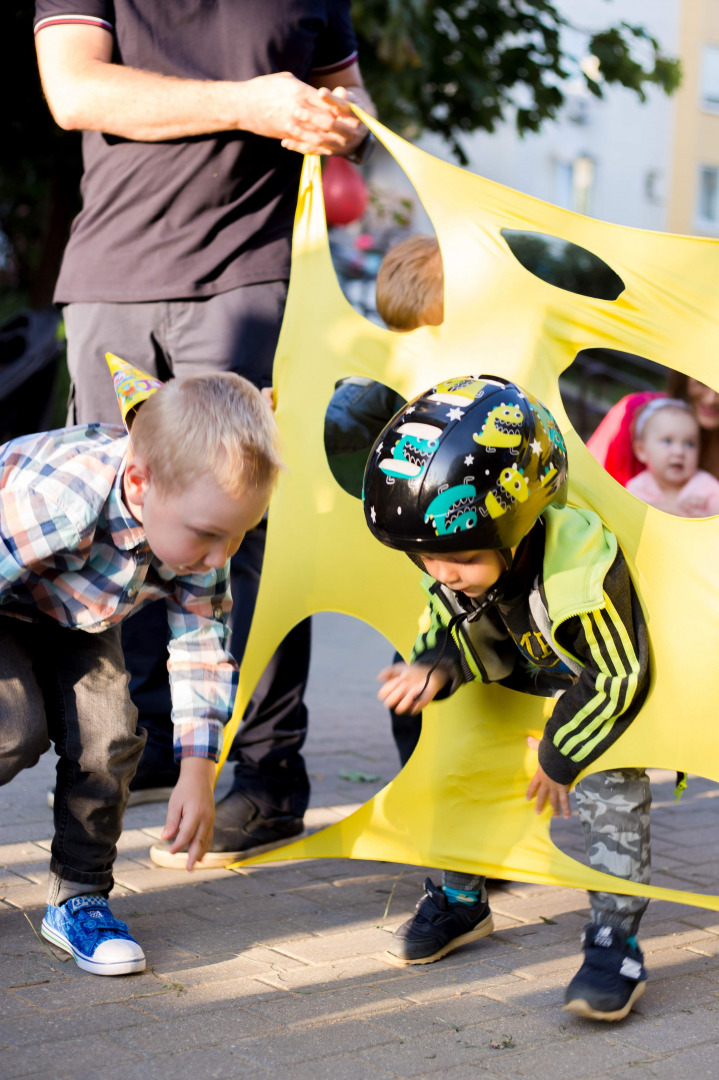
(656,406)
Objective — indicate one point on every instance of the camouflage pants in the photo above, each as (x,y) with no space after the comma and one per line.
(613,808)
(614,811)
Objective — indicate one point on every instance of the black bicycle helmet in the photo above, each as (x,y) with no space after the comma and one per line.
(467,466)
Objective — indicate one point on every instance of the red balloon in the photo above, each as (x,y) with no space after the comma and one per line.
(345,191)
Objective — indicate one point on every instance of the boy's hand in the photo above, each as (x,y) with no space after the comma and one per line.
(191,809)
(403,682)
(547,790)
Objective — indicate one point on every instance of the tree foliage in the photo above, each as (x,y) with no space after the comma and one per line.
(451,69)
(467,65)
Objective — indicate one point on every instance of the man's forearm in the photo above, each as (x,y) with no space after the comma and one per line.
(146,107)
(87,92)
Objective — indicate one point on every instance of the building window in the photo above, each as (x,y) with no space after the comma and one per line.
(710,78)
(582,182)
(573,183)
(709,194)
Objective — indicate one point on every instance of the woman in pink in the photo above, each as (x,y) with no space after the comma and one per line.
(611,443)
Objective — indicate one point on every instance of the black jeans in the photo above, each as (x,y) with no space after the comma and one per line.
(235,331)
(71,687)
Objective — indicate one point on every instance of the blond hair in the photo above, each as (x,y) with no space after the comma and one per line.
(410,284)
(218,424)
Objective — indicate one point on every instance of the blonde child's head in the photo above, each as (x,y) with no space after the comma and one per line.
(666,441)
(201,468)
(217,424)
(410,285)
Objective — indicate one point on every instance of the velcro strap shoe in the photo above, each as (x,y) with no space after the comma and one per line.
(611,978)
(85,927)
(437,927)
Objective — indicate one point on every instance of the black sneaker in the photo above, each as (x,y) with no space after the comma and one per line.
(240,830)
(437,927)
(611,978)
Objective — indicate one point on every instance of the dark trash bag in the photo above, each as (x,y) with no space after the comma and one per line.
(29,351)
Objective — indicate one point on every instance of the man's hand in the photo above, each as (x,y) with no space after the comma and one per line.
(547,790)
(305,119)
(191,809)
(403,682)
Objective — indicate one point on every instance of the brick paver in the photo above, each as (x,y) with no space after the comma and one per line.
(280,971)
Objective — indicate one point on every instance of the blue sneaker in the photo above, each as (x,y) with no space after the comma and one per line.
(611,978)
(437,927)
(85,927)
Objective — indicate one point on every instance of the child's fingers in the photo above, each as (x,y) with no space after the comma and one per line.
(198,846)
(410,704)
(172,822)
(185,833)
(388,690)
(418,701)
(393,695)
(566,810)
(532,743)
(408,699)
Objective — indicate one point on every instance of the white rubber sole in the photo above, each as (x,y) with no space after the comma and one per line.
(124,967)
(481,930)
(215,860)
(580,1007)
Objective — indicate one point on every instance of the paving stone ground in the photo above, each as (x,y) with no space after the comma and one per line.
(279,971)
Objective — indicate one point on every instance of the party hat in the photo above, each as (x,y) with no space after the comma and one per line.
(132,386)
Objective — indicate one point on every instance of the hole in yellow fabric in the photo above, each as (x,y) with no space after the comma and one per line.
(666,455)
(358,411)
(563,264)
(598,379)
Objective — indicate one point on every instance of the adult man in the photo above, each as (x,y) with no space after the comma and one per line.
(179,261)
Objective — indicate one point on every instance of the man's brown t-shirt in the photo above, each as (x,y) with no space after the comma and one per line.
(193,217)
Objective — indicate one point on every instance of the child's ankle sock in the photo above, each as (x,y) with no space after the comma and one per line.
(463,888)
(460,896)
(632,941)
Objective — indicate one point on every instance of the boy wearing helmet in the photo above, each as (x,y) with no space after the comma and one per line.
(470,481)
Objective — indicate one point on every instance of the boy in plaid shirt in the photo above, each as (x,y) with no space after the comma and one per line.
(95,523)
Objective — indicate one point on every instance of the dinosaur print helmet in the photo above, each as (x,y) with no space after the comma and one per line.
(467,466)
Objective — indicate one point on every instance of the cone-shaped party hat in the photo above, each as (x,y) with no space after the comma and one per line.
(132,386)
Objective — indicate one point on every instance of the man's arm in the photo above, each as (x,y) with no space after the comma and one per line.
(86,91)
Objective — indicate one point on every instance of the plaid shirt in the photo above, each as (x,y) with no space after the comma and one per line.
(70,549)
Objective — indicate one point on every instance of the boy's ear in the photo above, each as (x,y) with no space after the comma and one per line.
(137,481)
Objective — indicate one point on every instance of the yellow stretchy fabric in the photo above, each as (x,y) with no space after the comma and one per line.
(460,802)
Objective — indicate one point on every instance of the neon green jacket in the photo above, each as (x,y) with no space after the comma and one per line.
(577,633)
